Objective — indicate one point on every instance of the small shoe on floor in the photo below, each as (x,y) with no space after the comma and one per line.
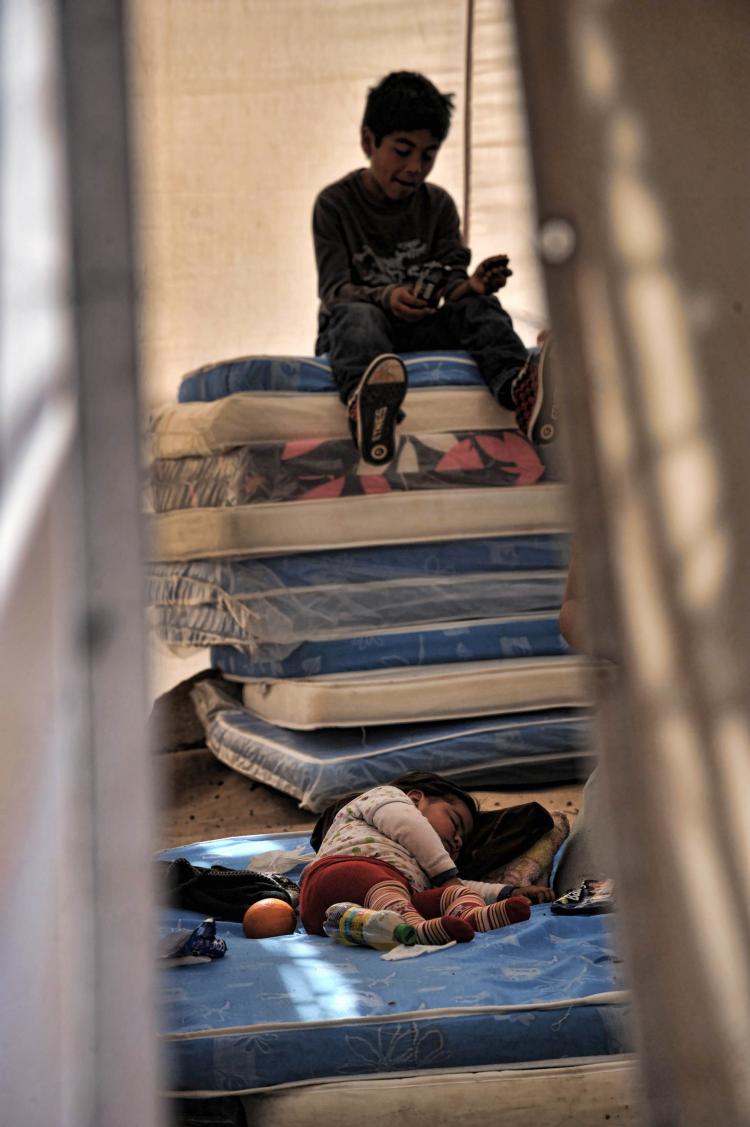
(375,408)
(534,396)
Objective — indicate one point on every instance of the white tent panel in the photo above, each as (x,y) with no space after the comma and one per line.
(502,214)
(244,111)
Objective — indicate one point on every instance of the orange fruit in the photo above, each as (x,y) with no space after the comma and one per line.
(269,917)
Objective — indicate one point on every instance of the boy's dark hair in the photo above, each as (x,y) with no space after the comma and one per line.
(406,101)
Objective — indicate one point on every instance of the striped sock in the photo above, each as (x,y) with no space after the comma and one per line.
(391,895)
(467,905)
(443,929)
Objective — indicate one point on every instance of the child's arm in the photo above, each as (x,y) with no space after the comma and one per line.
(390,812)
(491,892)
(449,248)
(489,277)
(334,263)
(404,305)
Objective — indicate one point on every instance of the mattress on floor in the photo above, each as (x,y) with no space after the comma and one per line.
(422,693)
(307,469)
(183,430)
(523,749)
(278,528)
(300,373)
(300,1009)
(500,638)
(546,1093)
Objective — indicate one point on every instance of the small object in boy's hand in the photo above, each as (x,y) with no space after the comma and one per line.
(430,282)
(592,897)
(268,917)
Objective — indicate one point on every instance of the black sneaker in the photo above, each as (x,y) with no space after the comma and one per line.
(375,408)
(534,397)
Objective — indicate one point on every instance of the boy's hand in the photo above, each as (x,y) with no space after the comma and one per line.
(490,275)
(407,307)
(536,893)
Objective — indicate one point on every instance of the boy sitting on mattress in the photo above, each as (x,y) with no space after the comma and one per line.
(396,848)
(375,232)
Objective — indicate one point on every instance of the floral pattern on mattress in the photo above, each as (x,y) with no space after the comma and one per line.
(299,1008)
(309,469)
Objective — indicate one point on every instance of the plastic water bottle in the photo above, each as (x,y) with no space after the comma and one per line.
(363,927)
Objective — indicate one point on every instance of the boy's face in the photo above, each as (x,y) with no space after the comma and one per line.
(400,163)
(449,817)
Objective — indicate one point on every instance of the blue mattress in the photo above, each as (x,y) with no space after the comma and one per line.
(298,1008)
(267,607)
(369,565)
(316,767)
(301,373)
(530,636)
(186,611)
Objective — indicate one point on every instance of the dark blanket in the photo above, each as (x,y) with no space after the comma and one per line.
(499,836)
(224,894)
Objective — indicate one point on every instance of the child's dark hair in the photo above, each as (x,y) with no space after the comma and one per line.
(434,786)
(406,101)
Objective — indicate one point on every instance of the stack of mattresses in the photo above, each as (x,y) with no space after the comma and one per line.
(379,619)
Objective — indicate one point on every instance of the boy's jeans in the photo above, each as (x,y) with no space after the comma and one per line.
(357,332)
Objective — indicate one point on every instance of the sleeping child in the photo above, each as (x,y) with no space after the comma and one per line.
(393,848)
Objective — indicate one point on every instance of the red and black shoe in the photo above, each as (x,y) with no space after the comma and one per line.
(375,408)
(533,391)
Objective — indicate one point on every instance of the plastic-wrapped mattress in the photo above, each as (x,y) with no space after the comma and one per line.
(301,373)
(267,607)
(311,468)
(536,635)
(539,748)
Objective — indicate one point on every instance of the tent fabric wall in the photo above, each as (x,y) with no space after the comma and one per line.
(502,213)
(244,109)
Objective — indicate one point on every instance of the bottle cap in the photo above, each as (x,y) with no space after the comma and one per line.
(405,933)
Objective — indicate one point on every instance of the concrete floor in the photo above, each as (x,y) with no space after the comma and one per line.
(202,799)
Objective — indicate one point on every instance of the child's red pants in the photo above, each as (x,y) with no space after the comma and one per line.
(332,880)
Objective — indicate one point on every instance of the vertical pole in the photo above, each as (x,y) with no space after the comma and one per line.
(639,140)
(468,98)
(122,783)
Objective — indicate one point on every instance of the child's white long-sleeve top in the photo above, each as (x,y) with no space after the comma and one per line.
(384,824)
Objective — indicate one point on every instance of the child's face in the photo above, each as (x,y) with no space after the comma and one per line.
(449,817)
(400,163)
